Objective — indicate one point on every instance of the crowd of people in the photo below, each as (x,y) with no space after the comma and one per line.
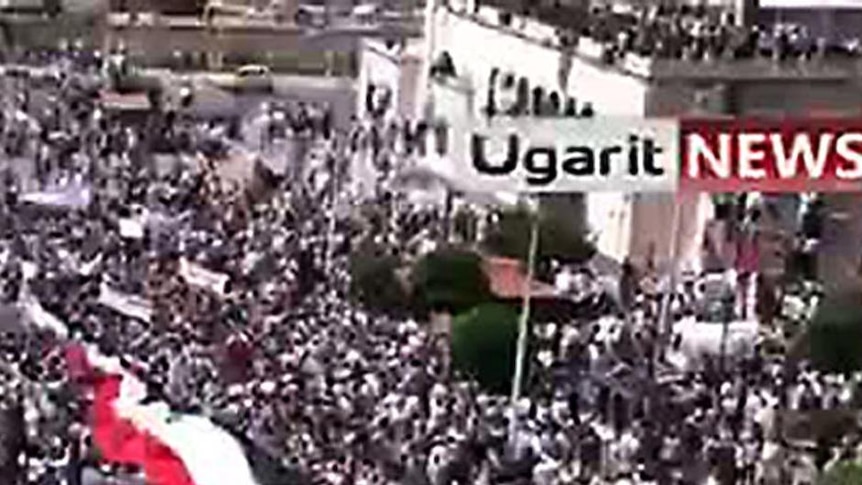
(688,33)
(681,31)
(283,355)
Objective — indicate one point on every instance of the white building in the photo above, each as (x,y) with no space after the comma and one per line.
(638,225)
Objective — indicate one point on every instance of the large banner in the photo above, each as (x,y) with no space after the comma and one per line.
(68,197)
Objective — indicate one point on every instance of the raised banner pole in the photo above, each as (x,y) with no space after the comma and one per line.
(523,332)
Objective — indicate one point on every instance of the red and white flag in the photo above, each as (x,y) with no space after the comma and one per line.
(170,448)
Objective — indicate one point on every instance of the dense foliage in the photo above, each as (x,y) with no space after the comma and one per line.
(844,473)
(449,279)
(835,333)
(375,282)
(559,239)
(484,341)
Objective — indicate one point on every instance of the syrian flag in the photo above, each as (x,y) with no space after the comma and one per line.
(130,428)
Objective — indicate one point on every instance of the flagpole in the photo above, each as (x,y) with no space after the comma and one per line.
(332,222)
(665,326)
(523,324)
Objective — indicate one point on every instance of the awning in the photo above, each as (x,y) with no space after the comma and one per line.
(508,280)
(112,100)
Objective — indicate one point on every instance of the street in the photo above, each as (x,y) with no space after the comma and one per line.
(211,100)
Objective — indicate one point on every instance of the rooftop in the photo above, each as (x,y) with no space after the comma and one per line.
(508,281)
(682,43)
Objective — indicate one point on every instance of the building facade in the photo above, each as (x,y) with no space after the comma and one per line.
(479,41)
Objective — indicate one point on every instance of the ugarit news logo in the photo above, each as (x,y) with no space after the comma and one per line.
(659,155)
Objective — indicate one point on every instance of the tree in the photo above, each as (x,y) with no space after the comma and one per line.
(835,333)
(450,279)
(838,252)
(375,282)
(483,344)
(843,473)
(559,239)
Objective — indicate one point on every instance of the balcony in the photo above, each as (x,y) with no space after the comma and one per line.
(825,68)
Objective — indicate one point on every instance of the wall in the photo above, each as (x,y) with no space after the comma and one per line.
(395,67)
(376,66)
(611,92)
(657,229)
(799,98)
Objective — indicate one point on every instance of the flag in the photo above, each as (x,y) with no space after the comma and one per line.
(129,427)
(170,448)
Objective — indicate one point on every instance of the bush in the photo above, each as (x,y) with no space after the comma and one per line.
(558,239)
(843,473)
(483,344)
(451,280)
(835,333)
(375,282)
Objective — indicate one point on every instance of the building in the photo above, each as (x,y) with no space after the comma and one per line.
(220,35)
(579,68)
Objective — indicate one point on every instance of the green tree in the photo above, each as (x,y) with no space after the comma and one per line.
(835,333)
(843,473)
(450,279)
(375,282)
(559,239)
(483,344)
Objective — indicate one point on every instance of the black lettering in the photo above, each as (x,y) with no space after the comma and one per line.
(491,103)
(441,139)
(579,161)
(650,150)
(633,155)
(541,165)
(480,161)
(605,159)
(415,137)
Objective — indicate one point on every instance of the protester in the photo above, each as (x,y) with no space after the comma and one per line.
(238,310)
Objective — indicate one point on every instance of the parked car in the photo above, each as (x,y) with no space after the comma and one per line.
(252,77)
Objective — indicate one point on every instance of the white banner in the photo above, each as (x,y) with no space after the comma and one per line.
(131,228)
(129,305)
(42,319)
(196,275)
(71,197)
